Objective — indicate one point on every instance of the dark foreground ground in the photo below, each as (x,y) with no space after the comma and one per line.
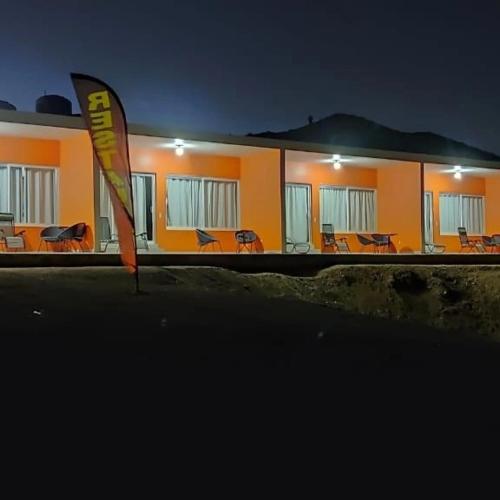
(211,343)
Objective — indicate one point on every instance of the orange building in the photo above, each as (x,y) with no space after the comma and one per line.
(295,197)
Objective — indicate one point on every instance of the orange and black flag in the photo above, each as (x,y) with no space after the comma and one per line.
(107,125)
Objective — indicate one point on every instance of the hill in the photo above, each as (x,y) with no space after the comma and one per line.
(355,131)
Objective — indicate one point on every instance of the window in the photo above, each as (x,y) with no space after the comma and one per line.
(461,210)
(349,210)
(29,193)
(428,217)
(195,202)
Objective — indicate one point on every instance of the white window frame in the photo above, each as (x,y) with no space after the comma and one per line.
(462,195)
(203,180)
(348,211)
(23,168)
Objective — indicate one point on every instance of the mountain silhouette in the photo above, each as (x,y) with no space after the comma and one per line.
(358,132)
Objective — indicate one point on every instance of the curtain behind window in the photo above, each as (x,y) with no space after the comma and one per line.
(361,211)
(40,196)
(17,193)
(297,213)
(140,205)
(220,204)
(333,202)
(4,189)
(428,218)
(184,202)
(449,213)
(473,214)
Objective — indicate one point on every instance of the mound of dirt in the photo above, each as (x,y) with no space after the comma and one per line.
(456,298)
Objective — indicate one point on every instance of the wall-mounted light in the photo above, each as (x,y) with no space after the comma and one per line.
(457,172)
(179,147)
(337,165)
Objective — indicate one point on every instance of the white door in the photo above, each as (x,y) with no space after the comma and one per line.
(298,212)
(143,190)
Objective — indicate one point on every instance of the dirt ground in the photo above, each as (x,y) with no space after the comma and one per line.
(350,336)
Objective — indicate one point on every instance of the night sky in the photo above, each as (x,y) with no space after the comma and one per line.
(243,66)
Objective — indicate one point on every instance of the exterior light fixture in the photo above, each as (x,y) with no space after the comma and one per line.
(337,165)
(179,147)
(457,172)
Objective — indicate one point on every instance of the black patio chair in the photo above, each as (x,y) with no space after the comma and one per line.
(245,240)
(469,243)
(75,233)
(365,242)
(50,235)
(331,241)
(382,241)
(205,239)
(11,239)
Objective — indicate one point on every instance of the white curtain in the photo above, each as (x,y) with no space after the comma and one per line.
(428,218)
(140,204)
(220,199)
(449,213)
(297,213)
(473,214)
(106,208)
(40,198)
(333,202)
(4,189)
(361,211)
(17,193)
(184,208)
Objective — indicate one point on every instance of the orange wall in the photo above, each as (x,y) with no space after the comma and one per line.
(163,163)
(260,197)
(29,151)
(446,183)
(492,187)
(76,183)
(317,175)
(399,205)
(22,151)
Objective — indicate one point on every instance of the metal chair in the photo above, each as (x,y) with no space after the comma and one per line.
(488,242)
(434,248)
(108,238)
(50,235)
(365,242)
(469,243)
(245,239)
(8,236)
(75,233)
(205,239)
(381,241)
(299,248)
(330,241)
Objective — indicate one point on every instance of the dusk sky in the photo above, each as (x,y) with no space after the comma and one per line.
(250,66)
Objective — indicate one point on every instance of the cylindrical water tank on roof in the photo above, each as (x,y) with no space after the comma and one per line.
(7,105)
(54,104)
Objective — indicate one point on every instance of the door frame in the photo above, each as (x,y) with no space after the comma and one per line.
(309,203)
(153,200)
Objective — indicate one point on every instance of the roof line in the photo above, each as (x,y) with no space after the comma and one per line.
(76,122)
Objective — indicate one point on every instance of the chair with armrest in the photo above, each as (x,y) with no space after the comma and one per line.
(329,239)
(469,243)
(12,239)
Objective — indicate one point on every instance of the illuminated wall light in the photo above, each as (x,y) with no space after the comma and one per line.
(179,147)
(458,175)
(337,165)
